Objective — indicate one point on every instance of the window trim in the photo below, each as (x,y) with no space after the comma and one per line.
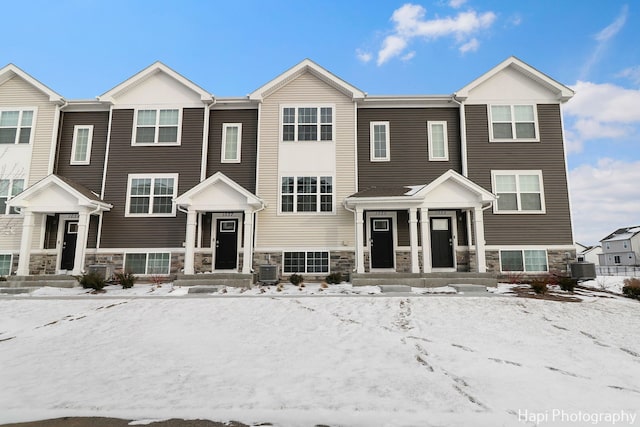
(524,264)
(306,255)
(87,159)
(318,194)
(318,123)
(10,263)
(492,138)
(10,195)
(517,173)
(223,158)
(32,127)
(155,143)
(387,141)
(153,177)
(146,263)
(432,157)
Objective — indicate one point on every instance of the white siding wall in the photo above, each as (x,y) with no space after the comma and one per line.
(290,231)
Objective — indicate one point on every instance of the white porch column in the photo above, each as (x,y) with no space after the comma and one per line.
(413,238)
(190,242)
(25,243)
(425,235)
(81,243)
(478,224)
(359,240)
(247,253)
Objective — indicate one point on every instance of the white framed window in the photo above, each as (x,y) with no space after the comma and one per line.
(306,194)
(231,142)
(438,141)
(524,260)
(149,263)
(6,261)
(81,147)
(16,126)
(307,123)
(518,191)
(513,123)
(380,141)
(305,262)
(157,126)
(151,195)
(9,188)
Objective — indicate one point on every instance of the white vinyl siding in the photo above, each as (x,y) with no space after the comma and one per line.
(513,123)
(152,263)
(518,191)
(151,195)
(157,126)
(16,126)
(81,146)
(525,260)
(305,262)
(231,142)
(438,141)
(380,141)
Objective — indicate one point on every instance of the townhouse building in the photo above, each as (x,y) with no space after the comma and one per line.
(157,176)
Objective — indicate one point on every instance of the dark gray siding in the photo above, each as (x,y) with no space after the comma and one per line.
(89,175)
(554,227)
(409,164)
(243,173)
(124,159)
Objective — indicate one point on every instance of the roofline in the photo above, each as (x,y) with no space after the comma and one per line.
(53,96)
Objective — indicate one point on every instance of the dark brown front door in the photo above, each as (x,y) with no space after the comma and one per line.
(226,246)
(382,255)
(69,245)
(441,243)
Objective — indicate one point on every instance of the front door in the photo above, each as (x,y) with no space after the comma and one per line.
(441,243)
(382,255)
(226,246)
(69,244)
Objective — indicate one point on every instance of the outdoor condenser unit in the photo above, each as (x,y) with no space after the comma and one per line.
(268,273)
(583,270)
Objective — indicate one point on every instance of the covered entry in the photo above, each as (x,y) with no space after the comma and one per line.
(432,211)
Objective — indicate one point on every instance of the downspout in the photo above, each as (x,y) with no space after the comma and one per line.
(205,140)
(463,137)
(355,237)
(56,135)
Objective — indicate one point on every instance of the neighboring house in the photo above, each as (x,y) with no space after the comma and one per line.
(622,247)
(588,253)
(158,176)
(29,118)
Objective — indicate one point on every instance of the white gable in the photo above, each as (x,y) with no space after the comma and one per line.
(219,193)
(158,89)
(452,193)
(510,85)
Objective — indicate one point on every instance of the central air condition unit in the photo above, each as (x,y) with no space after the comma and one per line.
(268,273)
(104,270)
(583,270)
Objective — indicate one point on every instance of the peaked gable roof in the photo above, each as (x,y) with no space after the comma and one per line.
(151,70)
(561,91)
(623,233)
(9,71)
(306,66)
(191,196)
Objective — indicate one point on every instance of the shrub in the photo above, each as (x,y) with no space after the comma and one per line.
(514,278)
(92,280)
(567,283)
(3,279)
(539,286)
(631,288)
(126,279)
(296,279)
(158,280)
(334,278)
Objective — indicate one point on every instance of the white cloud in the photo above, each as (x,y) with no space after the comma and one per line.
(603,37)
(470,46)
(363,56)
(456,3)
(604,198)
(410,23)
(631,73)
(409,56)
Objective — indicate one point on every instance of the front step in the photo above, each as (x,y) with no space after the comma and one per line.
(15,291)
(214,280)
(425,280)
(53,280)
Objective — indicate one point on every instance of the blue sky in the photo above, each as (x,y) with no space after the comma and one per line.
(81,49)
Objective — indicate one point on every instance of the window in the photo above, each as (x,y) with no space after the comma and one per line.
(518,191)
(157,127)
(148,263)
(307,123)
(81,147)
(15,126)
(523,260)
(306,194)
(231,139)
(616,259)
(9,188)
(513,122)
(151,195)
(625,245)
(438,142)
(5,264)
(306,262)
(379,136)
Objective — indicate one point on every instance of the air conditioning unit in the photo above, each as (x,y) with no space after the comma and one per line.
(583,270)
(104,270)
(268,273)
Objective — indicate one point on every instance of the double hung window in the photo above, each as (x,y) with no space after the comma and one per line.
(306,194)
(438,142)
(231,139)
(81,147)
(151,195)
(307,123)
(513,123)
(16,126)
(9,188)
(518,191)
(157,126)
(379,139)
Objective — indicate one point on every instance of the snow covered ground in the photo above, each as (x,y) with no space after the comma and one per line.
(412,360)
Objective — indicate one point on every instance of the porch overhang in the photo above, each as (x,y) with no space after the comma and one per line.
(219,193)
